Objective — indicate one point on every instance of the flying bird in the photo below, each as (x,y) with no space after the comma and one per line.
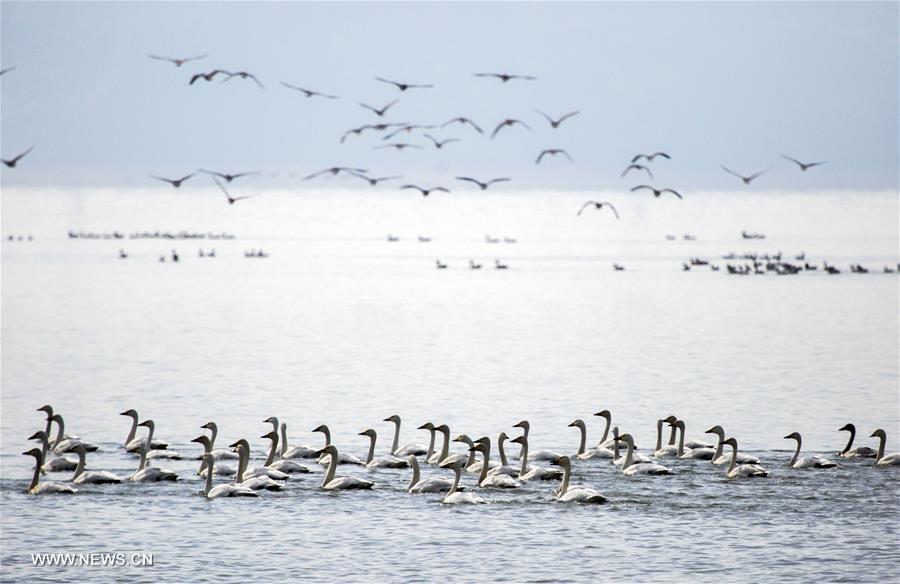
(308,92)
(425,192)
(599,205)
(7,70)
(650,157)
(504,77)
(552,152)
(440,143)
(226,176)
(231,200)
(375,181)
(11,163)
(178,62)
(509,122)
(175,182)
(403,86)
(358,131)
(379,112)
(656,192)
(747,179)
(243,75)
(482,185)
(397,146)
(555,123)
(636,167)
(207,76)
(803,165)
(408,128)
(334,170)
(462,120)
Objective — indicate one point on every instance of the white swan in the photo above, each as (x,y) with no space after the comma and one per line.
(332,483)
(619,460)
(152,474)
(396,449)
(503,467)
(157,453)
(429,485)
(468,459)
(576,494)
(62,444)
(695,452)
(56,464)
(534,473)
(670,450)
(492,481)
(242,447)
(630,468)
(882,459)
(849,451)
(445,455)
(737,471)
(454,496)
(720,458)
(286,466)
(133,444)
(546,455)
(226,490)
(48,410)
(389,461)
(583,453)
(806,462)
(430,451)
(219,469)
(324,458)
(93,476)
(301,451)
(605,441)
(218,453)
(37,488)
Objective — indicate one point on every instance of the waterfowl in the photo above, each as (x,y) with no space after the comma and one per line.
(806,462)
(220,453)
(454,496)
(552,152)
(669,450)
(492,481)
(133,444)
(379,111)
(323,456)
(735,470)
(578,494)
(220,469)
(470,464)
(62,444)
(428,485)
(804,166)
(437,457)
(56,464)
(720,458)
(155,453)
(308,92)
(747,179)
(464,121)
(285,466)
(849,451)
(430,451)
(555,123)
(37,488)
(650,157)
(242,447)
(605,441)
(598,205)
(547,455)
(656,192)
(619,460)
(697,452)
(534,473)
(332,483)
(482,185)
(403,86)
(179,61)
(508,123)
(630,468)
(396,450)
(504,466)
(294,451)
(93,476)
(148,474)
(226,490)
(882,459)
(583,452)
(504,77)
(389,461)
(11,162)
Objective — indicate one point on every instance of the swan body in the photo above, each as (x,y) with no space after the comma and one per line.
(389,461)
(243,473)
(343,458)
(535,473)
(226,490)
(545,455)
(492,481)
(56,464)
(261,482)
(332,483)
(583,452)
(697,452)
(151,474)
(133,444)
(98,477)
(578,494)
(849,451)
(396,449)
(454,496)
(284,466)
(737,471)
(720,458)
(63,445)
(429,485)
(38,488)
(806,461)
(218,453)
(302,451)
(882,459)
(445,456)
(670,450)
(630,468)
(166,454)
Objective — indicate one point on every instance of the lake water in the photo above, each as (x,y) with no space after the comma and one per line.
(340,326)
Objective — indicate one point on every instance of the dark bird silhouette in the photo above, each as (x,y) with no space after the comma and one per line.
(425,192)
(358,131)
(226,176)
(504,77)
(650,157)
(803,165)
(7,70)
(636,167)
(397,146)
(374,181)
(177,62)
(555,123)
(11,163)
(656,192)
(207,76)
(408,128)
(509,122)
(176,182)
(462,120)
(440,143)
(598,205)
(243,75)
(403,86)
(379,112)
(334,170)
(231,200)
(747,179)
(482,185)
(552,152)
(308,92)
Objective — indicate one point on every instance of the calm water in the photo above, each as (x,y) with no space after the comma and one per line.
(339,326)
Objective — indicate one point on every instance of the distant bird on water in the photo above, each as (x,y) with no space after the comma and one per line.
(11,163)
(509,122)
(243,75)
(207,76)
(636,167)
(175,182)
(482,185)
(656,192)
(179,61)
(440,143)
(747,179)
(379,112)
(226,176)
(599,205)
(462,120)
(555,123)
(504,77)
(231,200)
(375,181)
(650,157)
(425,192)
(308,92)
(552,152)
(403,86)
(803,165)
(334,170)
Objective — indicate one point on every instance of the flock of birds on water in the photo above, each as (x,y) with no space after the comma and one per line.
(284,461)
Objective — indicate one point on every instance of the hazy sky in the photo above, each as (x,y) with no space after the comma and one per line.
(710,83)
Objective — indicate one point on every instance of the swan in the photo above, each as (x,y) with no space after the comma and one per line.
(583,453)
(430,427)
(547,455)
(475,467)
(57,464)
(294,451)
(220,469)
(133,444)
(810,462)
(696,452)
(48,410)
(470,465)
(36,488)
(242,447)
(226,490)
(332,483)
(504,466)
(494,481)
(220,453)
(849,451)
(454,496)
(882,459)
(396,450)
(637,457)
(534,473)
(93,476)
(576,494)
(630,468)
(287,466)
(258,479)
(670,450)
(148,474)
(444,454)
(736,471)
(389,461)
(605,441)
(156,453)
(62,444)
(429,485)
(344,457)
(720,458)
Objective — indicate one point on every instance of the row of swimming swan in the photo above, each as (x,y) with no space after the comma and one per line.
(490,475)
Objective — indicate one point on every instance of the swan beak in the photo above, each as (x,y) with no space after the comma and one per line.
(197,439)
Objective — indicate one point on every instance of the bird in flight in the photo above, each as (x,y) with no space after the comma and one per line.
(552,152)
(440,143)
(747,179)
(207,76)
(374,181)
(178,62)
(425,192)
(358,131)
(379,112)
(555,123)
(509,122)
(803,165)
(408,128)
(334,170)
(504,77)
(599,205)
(656,192)
(226,176)
(231,200)
(403,86)
(175,182)
(11,163)
(7,70)
(650,157)
(308,92)
(397,146)
(462,120)
(482,185)
(636,167)
(243,75)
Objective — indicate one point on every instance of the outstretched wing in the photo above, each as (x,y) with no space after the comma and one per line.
(244,174)
(159,58)
(639,187)
(731,172)
(541,156)
(383,80)
(221,186)
(567,154)
(756,174)
(794,160)
(496,180)
(441,189)
(22,155)
(672,191)
(655,154)
(162,178)
(585,206)
(567,116)
(470,179)
(638,157)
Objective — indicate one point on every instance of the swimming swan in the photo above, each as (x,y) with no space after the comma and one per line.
(430,427)
(324,458)
(48,410)
(429,485)
(242,447)
(389,461)
(605,441)
(302,451)
(695,452)
(156,453)
(286,466)
(849,451)
(152,474)
(547,455)
(444,454)
(669,450)
(131,443)
(219,469)
(226,490)
(56,464)
(737,471)
(619,460)
(332,483)
(882,459)
(218,453)
(62,444)
(720,458)
(630,468)
(36,488)
(576,494)
(534,473)
(94,476)
(503,467)
(806,462)
(583,453)
(396,450)
(454,496)
(495,481)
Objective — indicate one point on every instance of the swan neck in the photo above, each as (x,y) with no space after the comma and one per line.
(659,424)
(849,442)
(414,463)
(445,447)
(45,445)
(567,473)
(395,445)
(371,456)
(143,460)
(680,439)
(149,443)
(606,430)
(796,454)
(273,447)
(733,460)
(674,429)
(243,459)
(327,433)
(457,470)
(131,432)
(484,466)
(719,448)
(209,474)
(582,446)
(284,443)
(214,431)
(430,445)
(524,457)
(332,468)
(38,463)
(881,440)
(60,432)
(502,452)
(80,468)
(629,455)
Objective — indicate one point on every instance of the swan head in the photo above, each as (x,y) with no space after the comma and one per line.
(148,424)
(717,430)
(454,464)
(209,426)
(238,444)
(523,424)
(130,414)
(519,440)
(604,414)
(579,423)
(79,450)
(847,428)
(678,424)
(615,433)
(35,452)
(484,440)
(320,428)
(443,428)
(794,435)
(731,442)
(670,420)
(270,435)
(39,435)
(271,420)
(331,450)
(395,419)
(479,447)
(426,426)
(369,432)
(564,462)
(47,409)
(879,433)
(502,436)
(56,418)
(200,440)
(464,438)
(626,438)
